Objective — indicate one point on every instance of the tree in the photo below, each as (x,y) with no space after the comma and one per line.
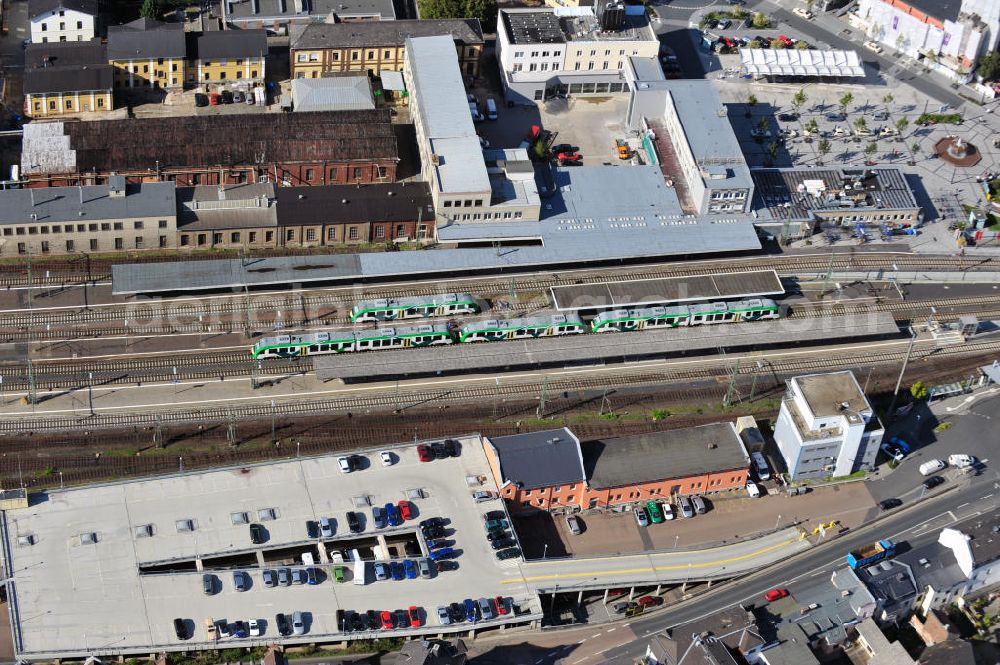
(845,101)
(914,151)
(812,127)
(751,102)
(901,125)
(760,20)
(861,125)
(484,10)
(871,149)
(777,43)
(755,43)
(800,99)
(772,149)
(802,45)
(824,149)
(763,125)
(888,99)
(989,66)
(151,9)
(918,390)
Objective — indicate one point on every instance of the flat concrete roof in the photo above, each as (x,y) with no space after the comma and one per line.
(667,290)
(826,394)
(77,588)
(598,348)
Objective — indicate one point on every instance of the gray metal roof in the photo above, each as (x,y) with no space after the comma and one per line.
(70,78)
(797,193)
(678,453)
(440,100)
(225,44)
(82,204)
(667,290)
(204,208)
(269,10)
(548,458)
(392,80)
(335,93)
(595,348)
(384,33)
(146,38)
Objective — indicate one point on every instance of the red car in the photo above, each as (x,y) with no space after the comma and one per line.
(775,594)
(213,99)
(387,623)
(404,509)
(414,614)
(501,605)
(650,601)
(424,452)
(787,41)
(569,156)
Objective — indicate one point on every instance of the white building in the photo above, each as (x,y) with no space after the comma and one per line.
(62,20)
(569,50)
(826,427)
(947,36)
(976,545)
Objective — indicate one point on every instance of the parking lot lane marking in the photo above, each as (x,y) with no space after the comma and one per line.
(962,506)
(986,497)
(610,630)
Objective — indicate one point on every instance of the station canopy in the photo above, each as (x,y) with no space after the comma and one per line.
(801,62)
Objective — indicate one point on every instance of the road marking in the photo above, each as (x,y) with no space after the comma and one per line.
(595,635)
(610,630)
(627,624)
(986,497)
(962,506)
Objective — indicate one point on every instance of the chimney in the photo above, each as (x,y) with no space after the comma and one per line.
(116,186)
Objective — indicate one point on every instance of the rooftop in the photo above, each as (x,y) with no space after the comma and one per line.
(831,393)
(801,62)
(68,78)
(961,652)
(203,141)
(92,203)
(944,10)
(49,54)
(733,628)
(678,453)
(532,27)
(332,93)
(339,204)
(834,609)
(792,648)
(797,194)
(146,38)
(224,44)
(548,458)
(311,10)
(933,565)
(39,7)
(892,583)
(882,650)
(207,208)
(568,24)
(984,532)
(384,33)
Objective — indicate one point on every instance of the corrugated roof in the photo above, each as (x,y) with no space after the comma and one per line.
(39,7)
(200,141)
(146,38)
(49,54)
(384,33)
(65,204)
(334,93)
(335,204)
(539,459)
(392,80)
(222,44)
(678,453)
(70,78)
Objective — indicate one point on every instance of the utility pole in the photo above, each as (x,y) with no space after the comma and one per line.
(604,402)
(543,397)
(30,276)
(32,389)
(732,391)
(753,386)
(902,370)
(90,392)
(158,432)
(231,429)
(274,440)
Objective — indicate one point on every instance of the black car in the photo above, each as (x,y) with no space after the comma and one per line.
(570,162)
(200,99)
(281,622)
(496,535)
(502,544)
(374,623)
(433,532)
(227,97)
(356,622)
(439,450)
(889,504)
(445,565)
(562,147)
(312,528)
(402,619)
(456,612)
(353,522)
(933,482)
(495,515)
(180,629)
(452,447)
(431,521)
(341,623)
(788,117)
(257,534)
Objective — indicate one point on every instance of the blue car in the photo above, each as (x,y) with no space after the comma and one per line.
(471,610)
(410,569)
(902,445)
(443,553)
(392,514)
(398,572)
(437,544)
(378,517)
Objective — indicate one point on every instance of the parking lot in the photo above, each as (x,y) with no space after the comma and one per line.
(122,561)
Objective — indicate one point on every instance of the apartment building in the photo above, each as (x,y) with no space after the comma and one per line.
(328,49)
(62,20)
(147,54)
(117,216)
(826,427)
(553,470)
(288,149)
(280,16)
(570,50)
(225,57)
(63,78)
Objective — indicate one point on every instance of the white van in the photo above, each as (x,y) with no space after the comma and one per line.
(307,559)
(760,465)
(961,461)
(753,490)
(491,108)
(931,466)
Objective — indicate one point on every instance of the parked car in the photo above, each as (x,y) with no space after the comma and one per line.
(931,466)
(413,612)
(433,532)
(573,524)
(241,629)
(424,452)
(208,584)
(284,577)
(961,461)
(388,623)
(649,601)
(444,617)
(480,496)
(724,24)
(298,577)
(238,97)
(213,99)
(269,577)
(569,156)
(471,610)
(803,12)
(563,148)
(501,604)
(398,572)
(687,510)
(255,629)
(240,581)
(873,46)
(443,566)
(425,567)
(392,515)
(486,609)
(889,504)
(382,571)
(699,505)
(653,510)
(386,458)
(346,464)
(410,569)
(354,522)
(788,117)
(502,543)
(405,510)
(200,99)
(502,555)
(667,510)
(892,451)
(379,517)
(451,446)
(281,624)
(640,517)
(775,594)
(443,553)
(257,534)
(752,489)
(493,525)
(227,96)
(327,527)
(933,482)
(223,629)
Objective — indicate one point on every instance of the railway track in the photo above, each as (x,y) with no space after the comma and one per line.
(390,400)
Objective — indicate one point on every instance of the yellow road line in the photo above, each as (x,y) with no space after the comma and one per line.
(651,569)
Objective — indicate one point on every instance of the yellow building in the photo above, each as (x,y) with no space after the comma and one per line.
(67,77)
(324,49)
(224,57)
(147,54)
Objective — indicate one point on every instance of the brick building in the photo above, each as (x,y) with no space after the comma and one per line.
(289,149)
(552,470)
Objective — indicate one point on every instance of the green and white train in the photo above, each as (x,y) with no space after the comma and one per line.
(345,341)
(685,315)
(415,307)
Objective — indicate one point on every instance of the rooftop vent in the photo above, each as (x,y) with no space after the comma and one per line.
(143,531)
(89,538)
(184,526)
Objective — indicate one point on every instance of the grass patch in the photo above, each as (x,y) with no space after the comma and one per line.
(47,472)
(218,656)
(939,118)
(659,414)
(941,427)
(861,473)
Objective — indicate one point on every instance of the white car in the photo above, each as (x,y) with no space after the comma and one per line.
(753,490)
(640,517)
(484,495)
(254,628)
(759,134)
(386,458)
(873,46)
(443,616)
(667,510)
(892,451)
(298,625)
(804,13)
(961,461)
(345,464)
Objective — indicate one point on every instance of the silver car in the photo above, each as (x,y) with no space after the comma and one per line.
(298,625)
(687,510)
(270,578)
(699,505)
(640,517)
(381,571)
(284,577)
(326,527)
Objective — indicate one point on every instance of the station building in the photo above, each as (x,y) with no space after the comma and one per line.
(554,470)
(826,427)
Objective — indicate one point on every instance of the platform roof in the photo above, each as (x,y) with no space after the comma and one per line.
(664,290)
(801,62)
(598,348)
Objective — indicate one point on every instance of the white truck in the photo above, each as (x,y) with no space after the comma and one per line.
(961,461)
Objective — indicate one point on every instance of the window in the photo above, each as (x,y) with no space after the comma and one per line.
(163,241)
(289,235)
(62,25)
(534,54)
(333,174)
(380,171)
(301,57)
(162,224)
(69,245)
(379,231)
(216,238)
(336,56)
(137,225)
(576,66)
(100,102)
(45,27)
(447,204)
(253,237)
(239,74)
(45,247)
(605,65)
(119,243)
(357,173)
(22,248)
(52,105)
(309,175)
(268,236)
(145,69)
(518,67)
(311,235)
(545,66)
(479,202)
(468,203)
(331,233)
(353,233)
(590,65)
(545,54)
(593,52)
(118,226)
(354,56)
(532,67)
(138,242)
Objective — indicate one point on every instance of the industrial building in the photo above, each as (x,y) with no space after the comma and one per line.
(827,427)
(288,149)
(278,17)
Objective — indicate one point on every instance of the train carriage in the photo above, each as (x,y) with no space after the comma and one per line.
(326,342)
(624,320)
(537,326)
(444,304)
(757,309)
(403,338)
